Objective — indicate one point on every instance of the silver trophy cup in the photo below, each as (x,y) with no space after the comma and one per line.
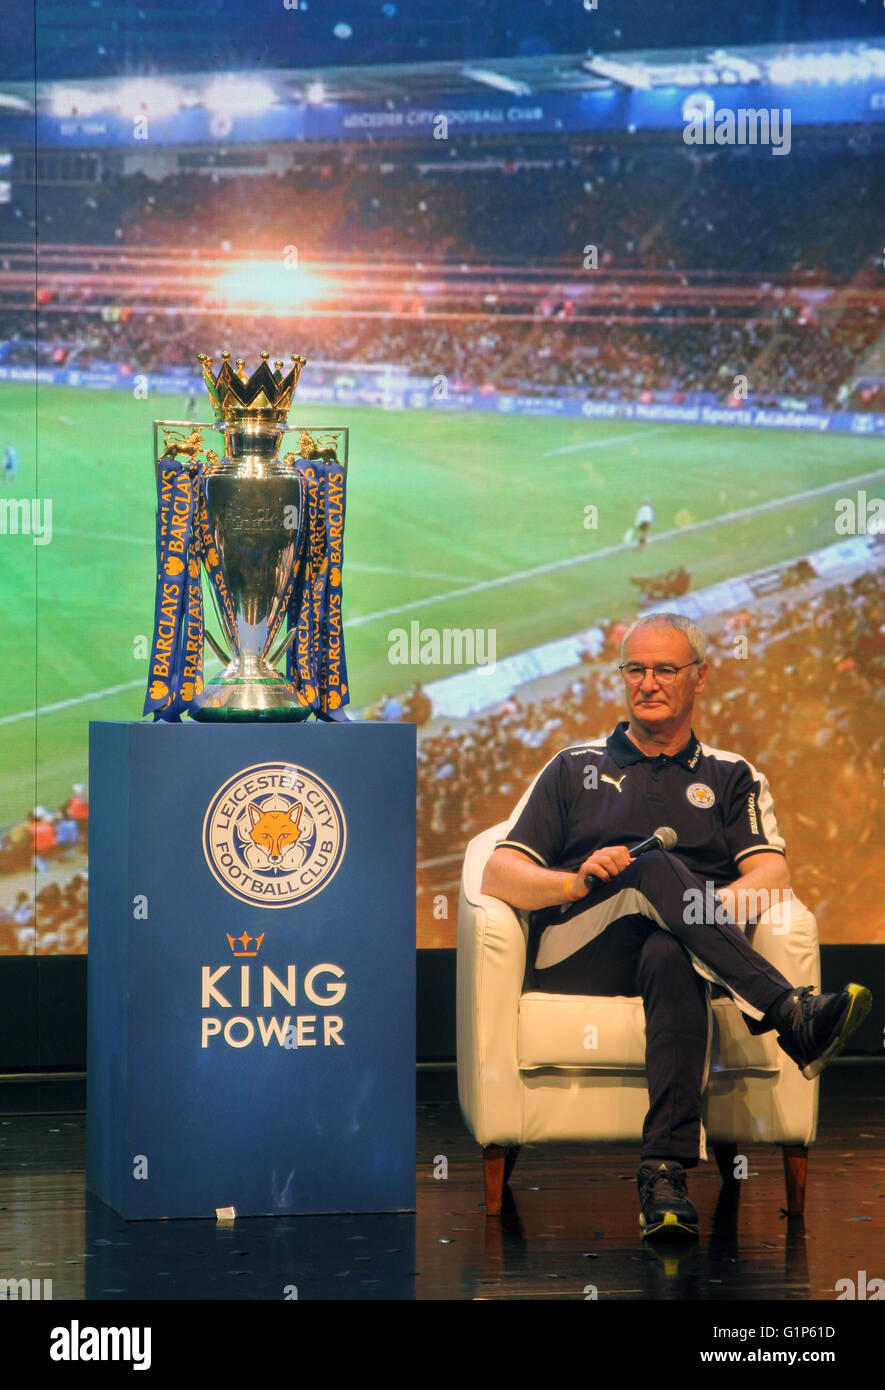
(255,505)
(255,510)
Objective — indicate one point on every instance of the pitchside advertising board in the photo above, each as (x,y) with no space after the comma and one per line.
(251,968)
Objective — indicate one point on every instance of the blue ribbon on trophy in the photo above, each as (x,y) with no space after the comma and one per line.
(314,614)
(177,493)
(269,533)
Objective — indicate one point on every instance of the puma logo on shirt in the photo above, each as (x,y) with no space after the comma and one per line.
(605,778)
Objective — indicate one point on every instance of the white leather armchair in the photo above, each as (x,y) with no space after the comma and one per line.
(551,1068)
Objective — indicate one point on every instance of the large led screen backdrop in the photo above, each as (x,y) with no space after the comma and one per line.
(543,287)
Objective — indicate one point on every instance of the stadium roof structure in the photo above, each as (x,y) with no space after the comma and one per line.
(61,40)
(825,64)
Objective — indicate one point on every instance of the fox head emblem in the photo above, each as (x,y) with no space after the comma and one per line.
(274,831)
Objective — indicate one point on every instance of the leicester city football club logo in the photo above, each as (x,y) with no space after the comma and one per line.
(699,794)
(274,835)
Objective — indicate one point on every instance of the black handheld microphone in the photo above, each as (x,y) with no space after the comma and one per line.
(663,838)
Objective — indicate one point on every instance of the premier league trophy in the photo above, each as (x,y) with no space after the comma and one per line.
(246,838)
(269,533)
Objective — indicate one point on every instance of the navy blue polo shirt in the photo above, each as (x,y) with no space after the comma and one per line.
(608,792)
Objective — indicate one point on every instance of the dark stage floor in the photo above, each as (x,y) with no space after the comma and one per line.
(573,1218)
(570,1228)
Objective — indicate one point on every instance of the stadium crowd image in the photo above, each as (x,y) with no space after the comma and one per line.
(592,305)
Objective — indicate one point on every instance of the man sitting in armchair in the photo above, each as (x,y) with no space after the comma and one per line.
(607,924)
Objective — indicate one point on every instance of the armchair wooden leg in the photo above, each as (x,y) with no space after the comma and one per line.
(497,1162)
(795,1177)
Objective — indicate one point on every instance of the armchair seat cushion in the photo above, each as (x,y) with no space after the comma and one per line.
(607,1032)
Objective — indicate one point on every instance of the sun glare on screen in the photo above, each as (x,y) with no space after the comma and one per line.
(271,284)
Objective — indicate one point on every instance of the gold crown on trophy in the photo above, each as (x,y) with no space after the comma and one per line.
(265,394)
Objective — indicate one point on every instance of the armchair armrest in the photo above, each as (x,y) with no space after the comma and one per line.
(786,935)
(786,1112)
(492,943)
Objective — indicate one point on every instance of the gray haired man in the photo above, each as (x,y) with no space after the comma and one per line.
(605,923)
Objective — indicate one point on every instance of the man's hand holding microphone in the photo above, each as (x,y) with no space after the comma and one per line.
(606,863)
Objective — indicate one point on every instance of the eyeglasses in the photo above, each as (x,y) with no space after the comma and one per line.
(664,675)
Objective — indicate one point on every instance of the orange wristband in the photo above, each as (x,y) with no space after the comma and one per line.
(565,883)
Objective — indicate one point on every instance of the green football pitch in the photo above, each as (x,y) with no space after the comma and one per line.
(464,520)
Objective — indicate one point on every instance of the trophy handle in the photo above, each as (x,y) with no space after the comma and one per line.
(329,442)
(179,437)
(284,645)
(216,647)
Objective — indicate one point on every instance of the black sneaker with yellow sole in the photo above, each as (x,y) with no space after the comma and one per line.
(813,1028)
(663,1200)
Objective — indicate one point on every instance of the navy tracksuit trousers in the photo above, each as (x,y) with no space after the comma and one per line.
(630,936)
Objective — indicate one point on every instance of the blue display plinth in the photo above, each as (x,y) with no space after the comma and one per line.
(251,1036)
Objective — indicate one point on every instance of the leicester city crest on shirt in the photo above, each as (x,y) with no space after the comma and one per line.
(274,835)
(699,794)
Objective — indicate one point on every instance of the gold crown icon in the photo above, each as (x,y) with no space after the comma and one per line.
(265,395)
(245,940)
